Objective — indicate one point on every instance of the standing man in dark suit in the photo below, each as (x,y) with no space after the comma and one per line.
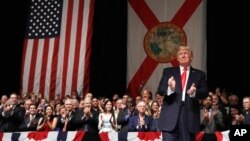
(180,113)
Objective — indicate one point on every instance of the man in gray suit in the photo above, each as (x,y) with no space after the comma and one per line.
(180,112)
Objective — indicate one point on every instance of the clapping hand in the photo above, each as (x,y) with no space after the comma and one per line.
(206,115)
(191,90)
(87,111)
(46,118)
(8,106)
(171,83)
(142,122)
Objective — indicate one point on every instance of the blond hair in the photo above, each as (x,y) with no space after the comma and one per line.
(187,48)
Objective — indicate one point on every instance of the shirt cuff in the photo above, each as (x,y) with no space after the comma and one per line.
(169,92)
(193,95)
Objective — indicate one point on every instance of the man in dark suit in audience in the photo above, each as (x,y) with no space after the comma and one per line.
(86,120)
(125,114)
(65,120)
(11,115)
(140,122)
(30,121)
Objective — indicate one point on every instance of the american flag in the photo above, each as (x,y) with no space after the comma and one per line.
(57,47)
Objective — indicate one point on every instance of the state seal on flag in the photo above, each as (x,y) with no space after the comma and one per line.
(163,40)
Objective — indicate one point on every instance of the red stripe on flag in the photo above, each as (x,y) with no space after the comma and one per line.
(86,78)
(144,13)
(77,45)
(22,67)
(67,46)
(142,75)
(148,66)
(44,66)
(54,67)
(33,66)
(185,12)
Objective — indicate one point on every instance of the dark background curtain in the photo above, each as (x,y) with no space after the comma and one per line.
(13,19)
(108,59)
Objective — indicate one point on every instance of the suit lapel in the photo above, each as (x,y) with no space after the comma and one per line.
(190,78)
(27,120)
(177,77)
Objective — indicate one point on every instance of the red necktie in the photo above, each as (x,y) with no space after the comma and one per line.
(183,77)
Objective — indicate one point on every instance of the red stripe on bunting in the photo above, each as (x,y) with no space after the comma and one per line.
(1,135)
(79,135)
(38,135)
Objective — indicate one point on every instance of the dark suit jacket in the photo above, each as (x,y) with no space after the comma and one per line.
(70,124)
(171,104)
(33,125)
(87,123)
(123,118)
(133,122)
(247,119)
(12,122)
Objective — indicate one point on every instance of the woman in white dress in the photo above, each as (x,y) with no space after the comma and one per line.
(106,119)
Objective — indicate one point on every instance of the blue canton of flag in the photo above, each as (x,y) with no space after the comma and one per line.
(44,18)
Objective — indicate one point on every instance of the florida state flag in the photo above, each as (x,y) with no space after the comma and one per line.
(155,31)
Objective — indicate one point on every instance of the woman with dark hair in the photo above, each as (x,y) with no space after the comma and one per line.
(107,119)
(48,121)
